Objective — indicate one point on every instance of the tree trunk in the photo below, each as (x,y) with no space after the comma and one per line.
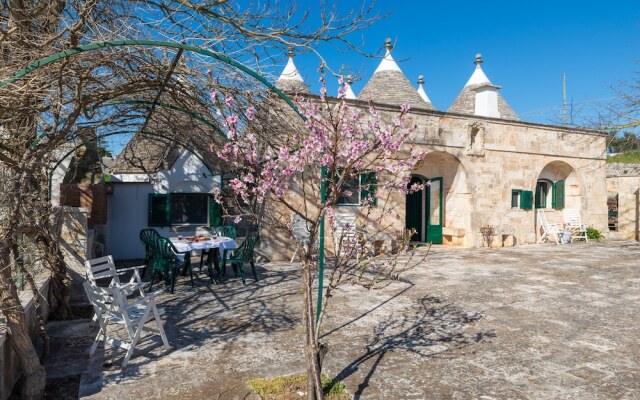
(59,292)
(312,350)
(32,370)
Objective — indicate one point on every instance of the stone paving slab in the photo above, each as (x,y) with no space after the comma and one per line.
(529,322)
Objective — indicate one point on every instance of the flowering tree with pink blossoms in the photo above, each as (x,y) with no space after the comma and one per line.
(279,180)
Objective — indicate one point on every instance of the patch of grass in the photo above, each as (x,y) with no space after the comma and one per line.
(630,157)
(289,388)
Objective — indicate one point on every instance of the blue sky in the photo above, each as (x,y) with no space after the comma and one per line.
(526,46)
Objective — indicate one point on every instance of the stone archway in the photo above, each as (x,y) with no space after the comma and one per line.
(451,194)
(558,186)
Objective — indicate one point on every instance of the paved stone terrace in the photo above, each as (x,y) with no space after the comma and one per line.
(529,322)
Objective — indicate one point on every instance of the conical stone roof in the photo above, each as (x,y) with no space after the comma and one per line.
(465,103)
(348,94)
(421,91)
(389,85)
(290,80)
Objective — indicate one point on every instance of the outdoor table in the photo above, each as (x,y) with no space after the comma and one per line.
(211,244)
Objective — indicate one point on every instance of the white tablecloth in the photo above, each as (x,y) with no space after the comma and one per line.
(221,243)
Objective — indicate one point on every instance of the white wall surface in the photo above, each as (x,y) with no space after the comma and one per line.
(487,102)
(126,216)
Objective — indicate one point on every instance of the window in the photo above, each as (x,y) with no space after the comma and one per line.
(515,198)
(350,192)
(360,188)
(189,208)
(183,209)
(550,194)
(542,194)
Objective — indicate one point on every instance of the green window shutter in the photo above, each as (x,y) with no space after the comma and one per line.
(159,210)
(368,187)
(553,195)
(215,213)
(558,195)
(526,200)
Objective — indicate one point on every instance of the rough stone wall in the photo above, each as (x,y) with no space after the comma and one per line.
(478,177)
(620,169)
(628,190)
(515,155)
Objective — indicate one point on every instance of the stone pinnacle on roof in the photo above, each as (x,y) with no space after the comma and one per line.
(478,77)
(421,91)
(348,90)
(290,79)
(389,85)
(480,97)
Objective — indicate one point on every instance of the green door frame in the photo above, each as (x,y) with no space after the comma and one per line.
(434,232)
(428,232)
(415,218)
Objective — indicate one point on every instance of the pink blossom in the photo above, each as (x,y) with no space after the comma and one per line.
(250,113)
(232,120)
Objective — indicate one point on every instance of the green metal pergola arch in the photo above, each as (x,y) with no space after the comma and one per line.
(208,53)
(148,43)
(126,132)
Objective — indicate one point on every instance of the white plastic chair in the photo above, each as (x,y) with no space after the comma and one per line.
(104,267)
(112,307)
(300,233)
(346,235)
(548,229)
(573,223)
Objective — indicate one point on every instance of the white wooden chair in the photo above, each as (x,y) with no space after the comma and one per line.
(112,307)
(548,229)
(104,267)
(346,235)
(300,233)
(573,223)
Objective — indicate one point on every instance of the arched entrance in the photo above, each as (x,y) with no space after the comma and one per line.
(557,187)
(424,210)
(439,213)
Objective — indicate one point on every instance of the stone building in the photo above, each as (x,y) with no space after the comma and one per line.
(487,168)
(623,187)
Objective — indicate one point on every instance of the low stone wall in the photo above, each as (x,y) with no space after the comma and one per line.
(71,223)
(620,169)
(627,188)
(9,362)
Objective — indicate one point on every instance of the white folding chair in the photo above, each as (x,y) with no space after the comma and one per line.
(346,235)
(112,307)
(300,233)
(573,223)
(548,229)
(104,267)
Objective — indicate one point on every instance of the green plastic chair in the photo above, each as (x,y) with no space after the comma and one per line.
(147,237)
(240,255)
(167,262)
(222,230)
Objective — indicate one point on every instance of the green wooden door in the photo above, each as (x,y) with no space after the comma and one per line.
(413,214)
(434,211)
